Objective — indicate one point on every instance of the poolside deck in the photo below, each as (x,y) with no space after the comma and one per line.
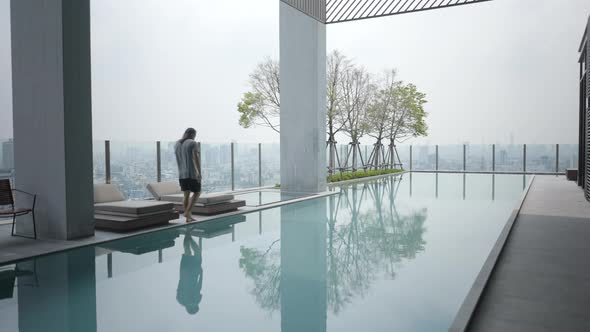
(14,248)
(541,281)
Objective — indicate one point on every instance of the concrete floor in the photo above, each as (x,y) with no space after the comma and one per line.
(541,281)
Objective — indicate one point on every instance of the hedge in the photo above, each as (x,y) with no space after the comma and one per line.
(337,177)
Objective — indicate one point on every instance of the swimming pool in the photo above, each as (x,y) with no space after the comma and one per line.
(392,254)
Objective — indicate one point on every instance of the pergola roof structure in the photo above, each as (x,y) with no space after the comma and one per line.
(351,10)
(337,11)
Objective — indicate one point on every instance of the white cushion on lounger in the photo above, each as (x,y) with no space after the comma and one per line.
(203,199)
(136,208)
(159,189)
(104,193)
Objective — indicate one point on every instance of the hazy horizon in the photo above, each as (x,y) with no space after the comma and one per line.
(493,72)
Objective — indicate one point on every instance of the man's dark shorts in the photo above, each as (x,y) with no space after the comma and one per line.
(192,185)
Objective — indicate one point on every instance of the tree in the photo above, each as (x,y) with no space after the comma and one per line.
(357,91)
(382,108)
(261,106)
(407,118)
(338,66)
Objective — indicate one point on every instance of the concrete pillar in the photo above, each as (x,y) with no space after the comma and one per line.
(303,100)
(58,292)
(52,112)
(304,266)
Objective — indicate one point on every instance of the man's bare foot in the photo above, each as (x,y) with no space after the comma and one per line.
(189,219)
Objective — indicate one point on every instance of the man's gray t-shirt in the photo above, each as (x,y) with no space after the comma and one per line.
(184,158)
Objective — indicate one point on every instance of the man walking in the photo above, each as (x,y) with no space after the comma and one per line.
(188,158)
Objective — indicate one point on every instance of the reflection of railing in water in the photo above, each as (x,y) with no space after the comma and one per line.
(151,242)
(464,181)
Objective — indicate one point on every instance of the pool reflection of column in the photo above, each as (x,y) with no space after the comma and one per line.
(60,295)
(493,187)
(436,186)
(464,179)
(303,266)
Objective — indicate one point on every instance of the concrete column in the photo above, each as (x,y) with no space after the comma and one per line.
(303,101)
(58,292)
(304,266)
(52,112)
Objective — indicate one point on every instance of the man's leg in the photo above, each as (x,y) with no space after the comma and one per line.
(187,244)
(188,213)
(185,201)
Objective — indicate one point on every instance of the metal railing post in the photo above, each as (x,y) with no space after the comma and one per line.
(556,158)
(410,157)
(260,164)
(107,161)
(493,158)
(524,158)
(464,158)
(233,185)
(436,157)
(158,162)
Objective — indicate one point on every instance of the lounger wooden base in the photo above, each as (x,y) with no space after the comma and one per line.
(212,209)
(125,224)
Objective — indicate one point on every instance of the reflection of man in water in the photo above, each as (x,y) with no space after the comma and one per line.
(191,276)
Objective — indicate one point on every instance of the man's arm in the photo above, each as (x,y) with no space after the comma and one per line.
(197,161)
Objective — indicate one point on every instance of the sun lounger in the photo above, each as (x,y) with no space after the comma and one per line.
(113,212)
(207,204)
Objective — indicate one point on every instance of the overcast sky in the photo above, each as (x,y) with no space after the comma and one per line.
(490,70)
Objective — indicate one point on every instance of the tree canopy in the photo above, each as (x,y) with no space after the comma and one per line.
(357,103)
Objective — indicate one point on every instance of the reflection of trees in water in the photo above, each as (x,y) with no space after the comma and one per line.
(264,268)
(366,236)
(372,239)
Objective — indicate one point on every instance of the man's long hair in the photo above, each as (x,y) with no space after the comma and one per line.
(189,133)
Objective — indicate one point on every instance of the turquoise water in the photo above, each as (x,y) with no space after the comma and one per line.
(381,256)
(263,197)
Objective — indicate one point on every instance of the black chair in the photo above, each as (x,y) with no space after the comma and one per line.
(7,199)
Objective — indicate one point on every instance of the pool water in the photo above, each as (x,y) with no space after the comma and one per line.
(397,254)
(264,197)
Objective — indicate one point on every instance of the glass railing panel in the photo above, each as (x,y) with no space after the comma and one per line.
(98,161)
(168,160)
(540,158)
(271,164)
(450,157)
(478,157)
(366,150)
(403,152)
(509,158)
(423,157)
(7,159)
(133,166)
(246,165)
(216,167)
(568,156)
